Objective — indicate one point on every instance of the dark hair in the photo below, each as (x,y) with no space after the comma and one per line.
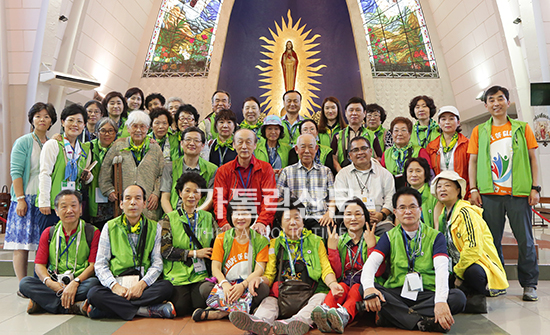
(40,106)
(323,121)
(224,92)
(251,99)
(240,203)
(458,129)
(142,190)
(74,109)
(423,163)
(371,108)
(225,114)
(193,130)
(154,96)
(292,91)
(99,105)
(357,100)
(187,108)
(306,121)
(111,95)
(192,177)
(406,191)
(135,90)
(67,192)
(359,138)
(293,203)
(429,102)
(281,133)
(401,119)
(360,203)
(494,90)
(157,112)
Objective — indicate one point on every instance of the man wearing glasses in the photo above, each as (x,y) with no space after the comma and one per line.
(367,180)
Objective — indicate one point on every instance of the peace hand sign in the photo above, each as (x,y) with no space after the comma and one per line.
(332,241)
(368,235)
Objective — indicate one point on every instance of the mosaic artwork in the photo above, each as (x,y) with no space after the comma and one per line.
(183,39)
(397,38)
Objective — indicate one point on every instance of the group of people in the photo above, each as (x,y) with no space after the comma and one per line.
(136,208)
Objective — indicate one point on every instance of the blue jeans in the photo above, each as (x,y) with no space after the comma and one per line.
(46,298)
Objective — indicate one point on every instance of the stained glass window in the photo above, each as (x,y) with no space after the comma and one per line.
(397,38)
(182,42)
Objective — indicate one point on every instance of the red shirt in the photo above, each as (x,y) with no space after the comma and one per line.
(43,252)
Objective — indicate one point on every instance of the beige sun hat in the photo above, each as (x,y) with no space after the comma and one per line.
(450,175)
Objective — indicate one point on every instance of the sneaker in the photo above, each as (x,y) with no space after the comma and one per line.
(290,327)
(34,308)
(249,323)
(476,304)
(78,308)
(96,313)
(338,318)
(166,311)
(319,317)
(530,294)
(496,293)
(429,325)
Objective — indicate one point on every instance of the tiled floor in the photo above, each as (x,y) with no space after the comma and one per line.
(507,315)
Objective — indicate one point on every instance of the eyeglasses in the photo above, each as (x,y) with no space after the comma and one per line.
(403,208)
(94,111)
(73,121)
(186,119)
(373,115)
(139,126)
(192,140)
(107,131)
(356,150)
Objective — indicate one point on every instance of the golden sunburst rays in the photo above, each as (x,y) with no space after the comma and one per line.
(272,74)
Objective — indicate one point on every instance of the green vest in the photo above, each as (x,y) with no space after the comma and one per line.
(380,135)
(326,138)
(123,130)
(342,250)
(428,205)
(434,133)
(399,262)
(311,245)
(176,271)
(96,156)
(291,132)
(391,163)
(282,150)
(324,153)
(67,260)
(258,243)
(58,173)
(175,145)
(343,138)
(208,170)
(121,250)
(521,165)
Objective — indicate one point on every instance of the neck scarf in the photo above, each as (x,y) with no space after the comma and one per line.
(423,132)
(400,155)
(448,148)
(139,151)
(135,229)
(226,144)
(247,125)
(73,154)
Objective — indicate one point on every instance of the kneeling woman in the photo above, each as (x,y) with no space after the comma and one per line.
(301,275)
(187,235)
(476,265)
(239,256)
(347,254)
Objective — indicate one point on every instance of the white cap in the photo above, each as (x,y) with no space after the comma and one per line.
(447,109)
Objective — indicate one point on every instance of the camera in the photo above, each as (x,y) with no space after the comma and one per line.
(65,278)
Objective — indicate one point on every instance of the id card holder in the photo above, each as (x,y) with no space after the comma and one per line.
(412,280)
(68,185)
(99,198)
(199,266)
(371,207)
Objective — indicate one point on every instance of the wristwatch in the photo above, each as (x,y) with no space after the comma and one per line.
(77,280)
(536,188)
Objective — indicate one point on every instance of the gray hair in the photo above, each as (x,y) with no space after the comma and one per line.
(138,117)
(172,99)
(104,121)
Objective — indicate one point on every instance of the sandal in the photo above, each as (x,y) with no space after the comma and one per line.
(198,314)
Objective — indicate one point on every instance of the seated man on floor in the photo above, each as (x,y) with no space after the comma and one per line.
(64,261)
(367,180)
(128,265)
(312,184)
(416,295)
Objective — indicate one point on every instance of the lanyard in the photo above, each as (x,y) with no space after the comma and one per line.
(247,180)
(366,184)
(412,254)
(357,255)
(348,139)
(38,140)
(292,261)
(77,237)
(195,217)
(423,142)
(222,156)
(131,242)
(400,162)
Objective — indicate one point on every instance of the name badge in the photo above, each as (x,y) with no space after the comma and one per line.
(412,285)
(68,185)
(199,266)
(369,202)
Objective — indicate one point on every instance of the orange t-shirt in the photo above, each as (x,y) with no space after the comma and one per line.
(501,154)
(236,265)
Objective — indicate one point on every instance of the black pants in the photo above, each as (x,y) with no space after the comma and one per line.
(187,298)
(475,281)
(405,314)
(105,300)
